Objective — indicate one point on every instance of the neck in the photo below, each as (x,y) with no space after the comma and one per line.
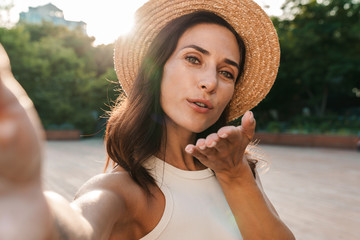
(173,148)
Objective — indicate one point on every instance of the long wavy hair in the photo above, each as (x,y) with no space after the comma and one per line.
(136,127)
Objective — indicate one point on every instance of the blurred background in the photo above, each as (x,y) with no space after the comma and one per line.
(62,54)
(61,51)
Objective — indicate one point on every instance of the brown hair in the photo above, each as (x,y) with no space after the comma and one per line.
(136,127)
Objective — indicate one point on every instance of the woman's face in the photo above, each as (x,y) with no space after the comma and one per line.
(199,77)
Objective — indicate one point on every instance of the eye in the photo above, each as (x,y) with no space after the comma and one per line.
(227,74)
(192,59)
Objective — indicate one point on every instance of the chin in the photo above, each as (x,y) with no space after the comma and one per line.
(198,130)
(200,127)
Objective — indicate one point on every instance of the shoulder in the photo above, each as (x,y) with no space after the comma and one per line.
(108,199)
(117,182)
(116,187)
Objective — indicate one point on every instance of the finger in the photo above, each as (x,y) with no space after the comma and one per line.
(222,143)
(226,131)
(211,140)
(202,148)
(200,144)
(248,124)
(191,149)
(230,135)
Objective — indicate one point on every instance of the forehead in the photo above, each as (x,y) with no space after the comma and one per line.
(212,37)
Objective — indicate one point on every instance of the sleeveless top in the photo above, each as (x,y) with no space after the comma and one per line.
(195,206)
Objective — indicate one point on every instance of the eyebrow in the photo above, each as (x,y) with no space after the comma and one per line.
(206,52)
(231,62)
(200,49)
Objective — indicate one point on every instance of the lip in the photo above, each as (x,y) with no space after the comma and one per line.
(192,104)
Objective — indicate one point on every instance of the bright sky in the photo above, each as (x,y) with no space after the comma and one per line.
(107,19)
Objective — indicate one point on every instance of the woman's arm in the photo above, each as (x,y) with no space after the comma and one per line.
(254,213)
(25,211)
(91,216)
(22,203)
(223,152)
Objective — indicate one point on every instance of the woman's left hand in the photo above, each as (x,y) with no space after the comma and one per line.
(223,152)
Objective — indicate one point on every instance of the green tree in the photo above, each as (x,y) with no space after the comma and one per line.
(102,60)
(57,67)
(321,49)
(319,69)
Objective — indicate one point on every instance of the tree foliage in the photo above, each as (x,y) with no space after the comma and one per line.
(59,70)
(320,63)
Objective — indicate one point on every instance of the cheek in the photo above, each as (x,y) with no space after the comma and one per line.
(173,83)
(166,89)
(164,95)
(231,92)
(228,94)
(169,92)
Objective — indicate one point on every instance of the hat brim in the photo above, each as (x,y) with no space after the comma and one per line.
(247,18)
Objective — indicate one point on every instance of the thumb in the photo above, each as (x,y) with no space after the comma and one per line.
(248,124)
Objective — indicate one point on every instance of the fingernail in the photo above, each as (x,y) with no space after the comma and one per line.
(189,149)
(251,117)
(212,144)
(202,147)
(224,135)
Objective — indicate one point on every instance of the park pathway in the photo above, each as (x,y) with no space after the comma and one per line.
(316,191)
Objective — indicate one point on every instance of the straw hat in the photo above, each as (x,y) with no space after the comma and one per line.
(247,18)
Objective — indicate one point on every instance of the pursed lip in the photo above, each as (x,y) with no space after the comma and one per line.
(207,103)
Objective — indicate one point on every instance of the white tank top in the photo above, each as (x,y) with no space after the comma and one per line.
(195,206)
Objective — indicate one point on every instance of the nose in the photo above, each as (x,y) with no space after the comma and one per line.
(208,81)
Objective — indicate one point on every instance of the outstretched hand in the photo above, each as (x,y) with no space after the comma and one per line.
(25,213)
(223,152)
(20,130)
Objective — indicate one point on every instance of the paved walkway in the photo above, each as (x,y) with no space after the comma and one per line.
(316,191)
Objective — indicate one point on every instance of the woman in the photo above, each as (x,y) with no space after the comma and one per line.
(180,173)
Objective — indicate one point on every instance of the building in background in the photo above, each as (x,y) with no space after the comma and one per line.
(50,13)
